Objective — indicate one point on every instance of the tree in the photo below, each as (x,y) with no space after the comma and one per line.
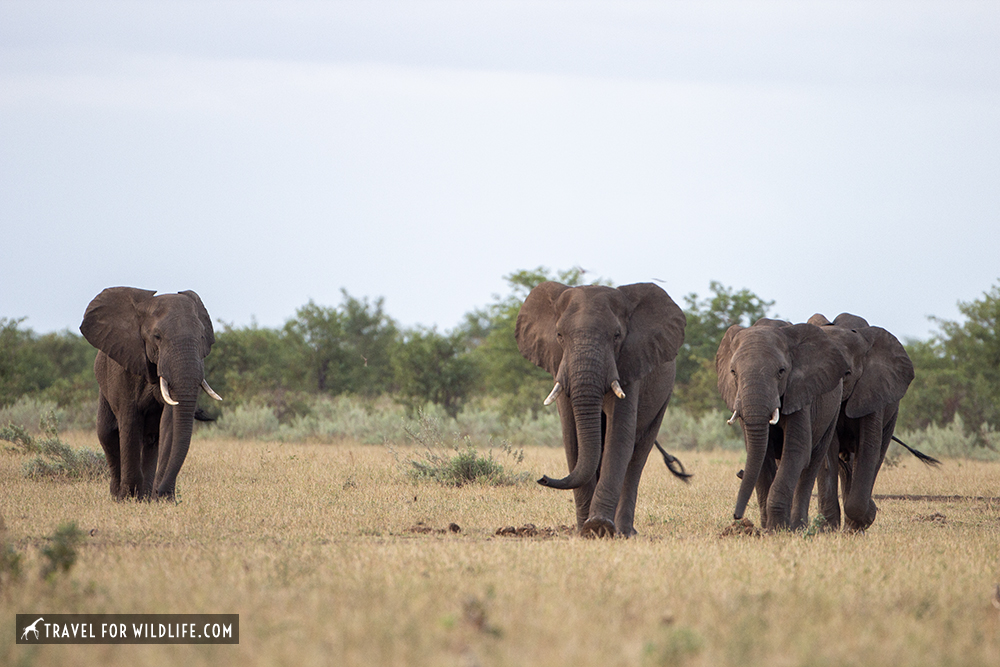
(347,349)
(249,361)
(55,363)
(434,368)
(958,369)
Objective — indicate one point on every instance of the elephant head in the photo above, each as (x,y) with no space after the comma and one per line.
(164,340)
(597,342)
(769,370)
(881,371)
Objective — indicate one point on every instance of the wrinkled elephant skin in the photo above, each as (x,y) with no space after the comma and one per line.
(150,370)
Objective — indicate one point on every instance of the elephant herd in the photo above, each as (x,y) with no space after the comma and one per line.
(817,402)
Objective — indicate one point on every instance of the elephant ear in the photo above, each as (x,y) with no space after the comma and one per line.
(849,321)
(655,331)
(819,320)
(206,321)
(723,358)
(887,374)
(818,365)
(535,330)
(113,322)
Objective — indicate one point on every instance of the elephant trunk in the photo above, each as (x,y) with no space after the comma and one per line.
(755,434)
(587,401)
(183,375)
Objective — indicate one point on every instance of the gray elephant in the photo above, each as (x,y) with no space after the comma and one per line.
(150,369)
(783,383)
(880,373)
(611,353)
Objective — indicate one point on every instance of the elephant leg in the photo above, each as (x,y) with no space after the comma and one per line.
(859,508)
(817,460)
(150,445)
(829,502)
(618,449)
(107,434)
(795,453)
(625,514)
(768,469)
(131,436)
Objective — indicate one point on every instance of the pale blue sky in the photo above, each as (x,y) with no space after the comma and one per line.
(268,153)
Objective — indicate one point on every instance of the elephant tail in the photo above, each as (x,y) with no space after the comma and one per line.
(674,464)
(927,460)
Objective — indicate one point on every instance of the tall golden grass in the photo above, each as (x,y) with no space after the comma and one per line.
(330,554)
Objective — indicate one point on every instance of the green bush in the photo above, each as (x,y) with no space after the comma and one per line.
(53,457)
(455,461)
(60,553)
(952,441)
(247,422)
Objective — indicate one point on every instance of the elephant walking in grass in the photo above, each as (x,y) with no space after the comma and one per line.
(611,353)
(150,370)
(881,372)
(783,383)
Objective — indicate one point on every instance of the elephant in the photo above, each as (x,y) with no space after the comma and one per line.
(150,370)
(783,383)
(881,372)
(611,353)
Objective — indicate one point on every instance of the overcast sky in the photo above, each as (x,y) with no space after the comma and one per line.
(830,156)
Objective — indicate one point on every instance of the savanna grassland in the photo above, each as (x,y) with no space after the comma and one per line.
(331,554)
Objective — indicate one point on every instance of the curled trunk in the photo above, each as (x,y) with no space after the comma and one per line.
(587,409)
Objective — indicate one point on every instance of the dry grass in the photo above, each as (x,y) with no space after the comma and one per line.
(314,546)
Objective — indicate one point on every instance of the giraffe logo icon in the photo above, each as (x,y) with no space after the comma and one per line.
(32,628)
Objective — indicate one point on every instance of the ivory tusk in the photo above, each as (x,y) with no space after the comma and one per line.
(552,396)
(731,419)
(209,390)
(166,392)
(617,388)
(775,416)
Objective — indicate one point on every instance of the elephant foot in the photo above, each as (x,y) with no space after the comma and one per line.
(598,527)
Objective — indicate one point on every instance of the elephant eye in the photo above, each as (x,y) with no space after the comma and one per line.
(618,335)
(558,336)
(733,371)
(781,371)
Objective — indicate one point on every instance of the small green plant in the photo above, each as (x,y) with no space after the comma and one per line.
(816,526)
(456,461)
(60,554)
(53,457)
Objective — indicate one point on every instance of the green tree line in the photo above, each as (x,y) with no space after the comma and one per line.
(356,348)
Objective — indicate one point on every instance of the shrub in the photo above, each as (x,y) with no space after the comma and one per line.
(684,432)
(60,554)
(953,441)
(34,411)
(455,460)
(53,457)
(249,422)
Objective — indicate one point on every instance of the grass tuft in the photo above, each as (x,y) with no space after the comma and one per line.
(456,461)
